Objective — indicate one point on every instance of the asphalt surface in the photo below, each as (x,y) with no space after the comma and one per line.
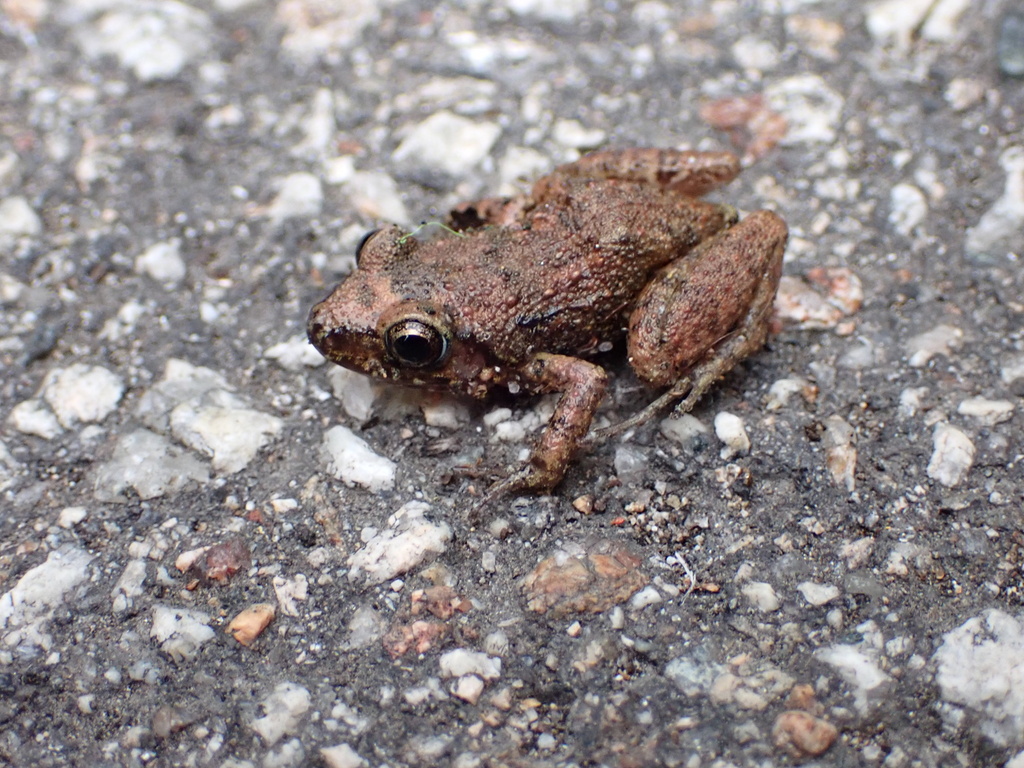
(823,565)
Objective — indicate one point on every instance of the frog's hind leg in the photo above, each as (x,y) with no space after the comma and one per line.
(669,317)
(685,172)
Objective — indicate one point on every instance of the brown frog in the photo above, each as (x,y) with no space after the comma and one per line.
(616,244)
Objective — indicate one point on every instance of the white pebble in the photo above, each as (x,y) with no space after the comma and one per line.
(27,608)
(907,208)
(645,597)
(231,436)
(17,219)
(82,393)
(952,455)
(572,133)
(162,262)
(32,417)
(351,460)
(376,196)
(684,429)
(357,392)
(462,661)
(155,40)
(447,143)
(564,10)
(812,109)
(940,340)
(761,595)
(998,230)
(71,516)
(468,688)
(730,430)
(818,594)
(180,631)
(447,413)
(285,709)
(408,541)
(301,196)
(150,464)
(342,756)
(988,412)
(295,353)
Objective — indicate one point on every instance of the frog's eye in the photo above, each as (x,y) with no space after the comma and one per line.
(363,242)
(416,344)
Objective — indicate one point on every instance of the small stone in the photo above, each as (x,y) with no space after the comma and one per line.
(342,756)
(572,133)
(230,434)
(26,609)
(952,455)
(162,262)
(802,735)
(357,392)
(584,583)
(811,108)
(149,464)
(250,623)
(155,40)
(818,594)
(988,412)
(408,541)
(461,662)
(730,430)
(1010,45)
(564,10)
(782,390)
(940,340)
(167,720)
(180,631)
(285,709)
(868,683)
(686,430)
(375,195)
(82,393)
(896,21)
(908,207)
(291,592)
(997,232)
(840,452)
(978,669)
(32,417)
(446,413)
(468,688)
(645,597)
(301,196)
(295,354)
(447,143)
(71,516)
(761,595)
(221,561)
(351,460)
(630,463)
(17,219)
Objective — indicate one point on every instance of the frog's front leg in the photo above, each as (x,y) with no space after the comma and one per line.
(582,385)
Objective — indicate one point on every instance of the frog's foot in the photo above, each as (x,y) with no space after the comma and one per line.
(655,408)
(528,479)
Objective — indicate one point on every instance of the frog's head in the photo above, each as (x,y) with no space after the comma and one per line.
(383,320)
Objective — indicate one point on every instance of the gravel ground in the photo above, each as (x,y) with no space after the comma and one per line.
(214,550)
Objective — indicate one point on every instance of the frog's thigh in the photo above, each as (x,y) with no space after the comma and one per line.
(725,286)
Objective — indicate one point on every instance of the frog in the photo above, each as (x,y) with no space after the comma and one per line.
(526,293)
